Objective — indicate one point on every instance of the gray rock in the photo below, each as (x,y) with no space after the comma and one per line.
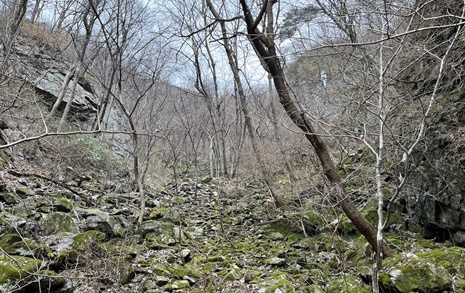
(58,222)
(276,261)
(161,281)
(117,225)
(9,198)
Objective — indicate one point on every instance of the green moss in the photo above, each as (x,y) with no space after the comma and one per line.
(315,289)
(294,238)
(250,276)
(65,258)
(314,218)
(386,192)
(126,273)
(366,157)
(3,159)
(205,179)
(9,198)
(292,225)
(178,284)
(231,275)
(59,222)
(450,258)
(371,215)
(180,272)
(8,240)
(157,213)
(160,270)
(64,204)
(83,239)
(16,267)
(424,272)
(15,244)
(277,282)
(24,191)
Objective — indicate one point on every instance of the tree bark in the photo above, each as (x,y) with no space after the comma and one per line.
(266,51)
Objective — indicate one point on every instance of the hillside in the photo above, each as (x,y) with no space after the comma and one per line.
(242,147)
(205,236)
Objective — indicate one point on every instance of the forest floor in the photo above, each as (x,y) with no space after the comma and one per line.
(198,235)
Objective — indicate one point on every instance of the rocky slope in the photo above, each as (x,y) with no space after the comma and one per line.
(198,236)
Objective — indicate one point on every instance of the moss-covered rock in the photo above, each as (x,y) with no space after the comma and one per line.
(9,198)
(293,225)
(45,281)
(314,289)
(53,223)
(277,283)
(157,213)
(126,273)
(17,245)
(432,271)
(63,204)
(178,285)
(66,259)
(181,271)
(84,239)
(23,192)
(13,267)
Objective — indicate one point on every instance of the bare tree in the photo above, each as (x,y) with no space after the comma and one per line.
(18,9)
(266,49)
(78,68)
(373,86)
(234,67)
(38,8)
(134,80)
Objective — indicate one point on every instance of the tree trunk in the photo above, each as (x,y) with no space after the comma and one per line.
(266,51)
(244,107)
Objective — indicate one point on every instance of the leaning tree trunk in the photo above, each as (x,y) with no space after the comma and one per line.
(265,48)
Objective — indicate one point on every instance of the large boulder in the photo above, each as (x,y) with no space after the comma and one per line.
(46,74)
(439,270)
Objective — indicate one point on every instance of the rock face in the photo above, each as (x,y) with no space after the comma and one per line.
(45,72)
(435,196)
(46,75)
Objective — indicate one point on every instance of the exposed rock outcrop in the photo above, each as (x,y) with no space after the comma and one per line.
(435,195)
(46,74)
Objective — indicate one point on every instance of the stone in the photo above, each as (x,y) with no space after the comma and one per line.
(430,271)
(276,261)
(63,204)
(186,254)
(189,279)
(82,240)
(161,281)
(15,267)
(348,283)
(126,273)
(55,222)
(277,283)
(9,198)
(178,284)
(14,244)
(23,192)
(117,225)
(45,281)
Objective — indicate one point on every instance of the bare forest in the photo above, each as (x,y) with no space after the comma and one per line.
(232,146)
